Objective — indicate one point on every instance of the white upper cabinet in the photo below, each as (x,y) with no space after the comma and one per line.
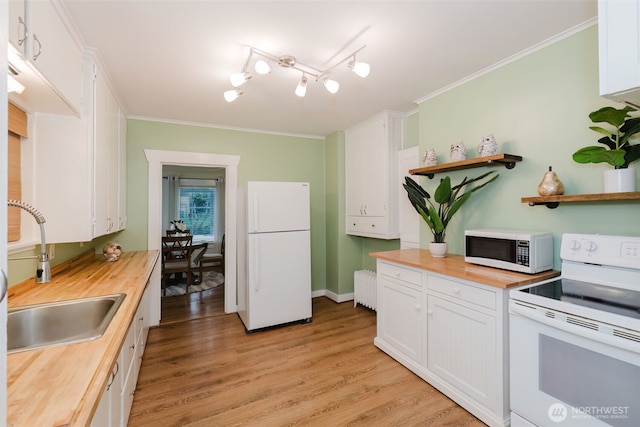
(371,152)
(619,50)
(78,165)
(51,59)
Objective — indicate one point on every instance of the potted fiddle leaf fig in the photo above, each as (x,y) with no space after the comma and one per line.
(447,200)
(618,150)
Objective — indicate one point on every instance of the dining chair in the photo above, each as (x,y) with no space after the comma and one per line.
(176,232)
(188,266)
(214,262)
(177,245)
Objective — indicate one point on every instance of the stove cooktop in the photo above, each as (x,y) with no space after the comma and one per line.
(624,302)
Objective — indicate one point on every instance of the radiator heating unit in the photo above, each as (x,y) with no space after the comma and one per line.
(364,289)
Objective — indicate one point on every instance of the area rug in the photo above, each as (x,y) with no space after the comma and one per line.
(211,280)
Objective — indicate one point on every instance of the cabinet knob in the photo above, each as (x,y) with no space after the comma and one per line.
(456,291)
(397,274)
(417,307)
(429,313)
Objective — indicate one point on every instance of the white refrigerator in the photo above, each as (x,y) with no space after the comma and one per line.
(274,254)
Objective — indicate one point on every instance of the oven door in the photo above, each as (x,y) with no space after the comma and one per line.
(565,372)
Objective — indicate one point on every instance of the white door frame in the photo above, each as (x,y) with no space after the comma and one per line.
(157,159)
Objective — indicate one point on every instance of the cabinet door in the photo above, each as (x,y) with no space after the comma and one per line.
(619,48)
(461,349)
(17,24)
(107,174)
(400,318)
(54,52)
(355,159)
(122,168)
(376,168)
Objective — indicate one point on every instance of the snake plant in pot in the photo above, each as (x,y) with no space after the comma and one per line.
(619,151)
(447,200)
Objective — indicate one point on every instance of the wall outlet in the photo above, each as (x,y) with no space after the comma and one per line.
(52,252)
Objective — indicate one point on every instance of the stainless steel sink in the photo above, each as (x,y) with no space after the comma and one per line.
(31,327)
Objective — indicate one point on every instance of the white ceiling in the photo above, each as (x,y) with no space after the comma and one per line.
(171,60)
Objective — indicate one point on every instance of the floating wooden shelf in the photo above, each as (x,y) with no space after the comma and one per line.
(508,160)
(553,201)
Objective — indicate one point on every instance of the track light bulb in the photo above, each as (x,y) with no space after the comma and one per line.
(232,95)
(331,85)
(262,67)
(360,68)
(238,79)
(301,89)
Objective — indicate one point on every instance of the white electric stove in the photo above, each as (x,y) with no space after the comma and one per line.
(575,340)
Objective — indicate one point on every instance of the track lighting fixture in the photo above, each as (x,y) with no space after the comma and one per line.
(238,79)
(232,95)
(331,85)
(301,89)
(360,68)
(262,66)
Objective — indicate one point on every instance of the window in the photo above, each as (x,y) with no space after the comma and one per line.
(198,209)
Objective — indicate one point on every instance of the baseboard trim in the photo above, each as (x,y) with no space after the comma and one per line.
(339,298)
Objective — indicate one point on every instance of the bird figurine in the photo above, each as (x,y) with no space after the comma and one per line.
(430,158)
(458,152)
(488,146)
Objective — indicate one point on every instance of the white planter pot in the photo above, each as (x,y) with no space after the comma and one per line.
(438,250)
(619,180)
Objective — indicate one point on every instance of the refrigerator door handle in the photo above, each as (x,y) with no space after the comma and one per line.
(256,265)
(255,213)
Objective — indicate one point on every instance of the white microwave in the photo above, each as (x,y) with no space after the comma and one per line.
(523,251)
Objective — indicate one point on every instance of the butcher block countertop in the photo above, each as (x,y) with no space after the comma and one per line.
(455,266)
(62,386)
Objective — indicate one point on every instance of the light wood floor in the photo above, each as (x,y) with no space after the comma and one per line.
(207,371)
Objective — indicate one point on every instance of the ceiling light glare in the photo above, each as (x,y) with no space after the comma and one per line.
(13,85)
(301,89)
(238,79)
(262,67)
(360,68)
(331,85)
(232,95)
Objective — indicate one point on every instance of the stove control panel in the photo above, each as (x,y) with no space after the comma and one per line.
(618,251)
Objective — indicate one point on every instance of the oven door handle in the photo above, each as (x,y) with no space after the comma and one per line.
(537,314)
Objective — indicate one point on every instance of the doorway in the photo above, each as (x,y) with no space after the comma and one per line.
(157,159)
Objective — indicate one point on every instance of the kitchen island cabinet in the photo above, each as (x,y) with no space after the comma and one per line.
(447,321)
(78,375)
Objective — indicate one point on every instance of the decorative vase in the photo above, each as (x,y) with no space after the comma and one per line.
(438,250)
(619,180)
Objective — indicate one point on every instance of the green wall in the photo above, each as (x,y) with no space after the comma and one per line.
(263,157)
(536,107)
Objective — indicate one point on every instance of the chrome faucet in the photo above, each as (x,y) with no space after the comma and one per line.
(43,272)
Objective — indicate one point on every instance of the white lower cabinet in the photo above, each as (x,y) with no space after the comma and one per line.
(461,346)
(452,333)
(115,405)
(401,314)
